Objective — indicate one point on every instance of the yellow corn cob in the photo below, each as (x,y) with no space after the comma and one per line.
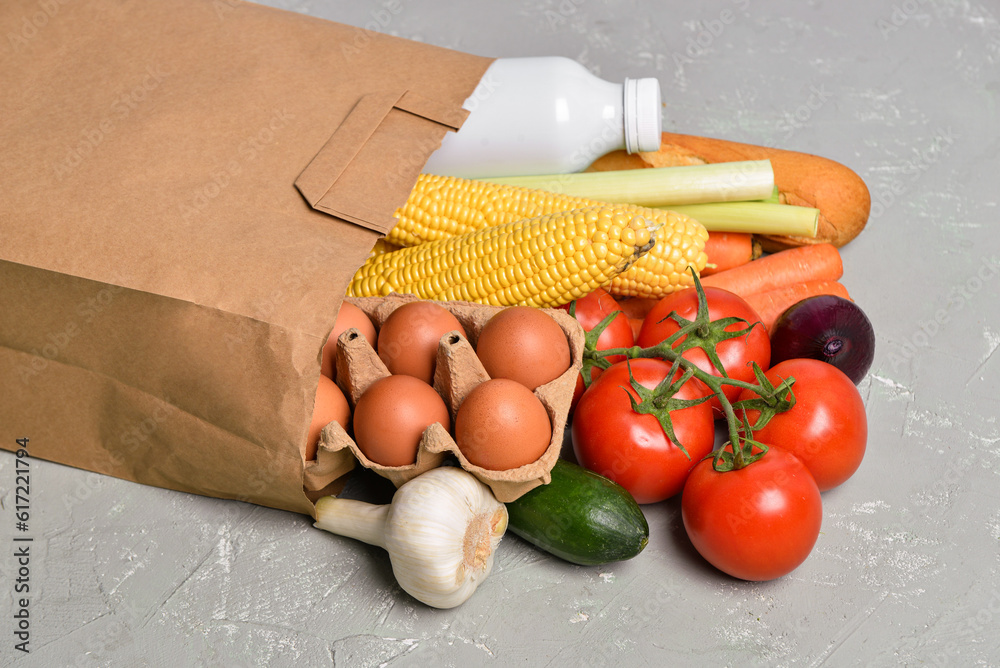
(544,261)
(680,243)
(382,246)
(443,206)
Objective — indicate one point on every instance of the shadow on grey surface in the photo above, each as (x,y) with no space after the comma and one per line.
(675,541)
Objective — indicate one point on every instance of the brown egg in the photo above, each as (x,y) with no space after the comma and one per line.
(348,316)
(330,406)
(408,339)
(391,416)
(502,425)
(523,344)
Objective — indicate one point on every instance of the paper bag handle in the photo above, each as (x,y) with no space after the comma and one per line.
(335,181)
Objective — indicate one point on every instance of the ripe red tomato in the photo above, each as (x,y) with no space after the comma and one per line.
(755,523)
(736,354)
(589,312)
(631,448)
(827,428)
(595,307)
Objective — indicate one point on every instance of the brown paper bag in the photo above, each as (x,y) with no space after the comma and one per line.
(188,186)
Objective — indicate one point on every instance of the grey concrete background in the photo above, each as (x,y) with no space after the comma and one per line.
(906,571)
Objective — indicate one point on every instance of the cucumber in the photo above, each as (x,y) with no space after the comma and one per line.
(581,517)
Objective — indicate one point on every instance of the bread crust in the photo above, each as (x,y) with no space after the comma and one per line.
(802,179)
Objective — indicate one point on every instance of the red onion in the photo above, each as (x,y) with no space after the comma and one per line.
(827,328)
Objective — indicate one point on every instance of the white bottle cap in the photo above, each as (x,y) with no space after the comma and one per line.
(643,122)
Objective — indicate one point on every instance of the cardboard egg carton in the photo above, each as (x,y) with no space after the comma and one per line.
(457,372)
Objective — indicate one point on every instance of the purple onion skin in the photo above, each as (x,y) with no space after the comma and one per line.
(827,328)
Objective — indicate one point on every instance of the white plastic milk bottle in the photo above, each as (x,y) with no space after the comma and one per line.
(547,115)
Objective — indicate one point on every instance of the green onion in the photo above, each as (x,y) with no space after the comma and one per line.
(755,217)
(661,186)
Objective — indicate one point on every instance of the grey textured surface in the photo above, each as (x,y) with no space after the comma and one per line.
(907,569)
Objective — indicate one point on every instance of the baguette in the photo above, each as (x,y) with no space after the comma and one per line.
(802,179)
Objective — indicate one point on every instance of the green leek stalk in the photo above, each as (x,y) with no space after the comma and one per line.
(755,217)
(724,197)
(661,186)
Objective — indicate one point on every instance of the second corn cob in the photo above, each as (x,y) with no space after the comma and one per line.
(544,261)
(440,207)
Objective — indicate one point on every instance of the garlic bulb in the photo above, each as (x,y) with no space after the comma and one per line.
(440,530)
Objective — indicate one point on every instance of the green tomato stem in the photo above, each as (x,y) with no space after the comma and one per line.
(664,351)
(705,334)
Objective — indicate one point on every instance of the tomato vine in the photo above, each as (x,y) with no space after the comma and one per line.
(700,332)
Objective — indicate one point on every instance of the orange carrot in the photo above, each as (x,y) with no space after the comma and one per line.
(820,262)
(726,250)
(771,304)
